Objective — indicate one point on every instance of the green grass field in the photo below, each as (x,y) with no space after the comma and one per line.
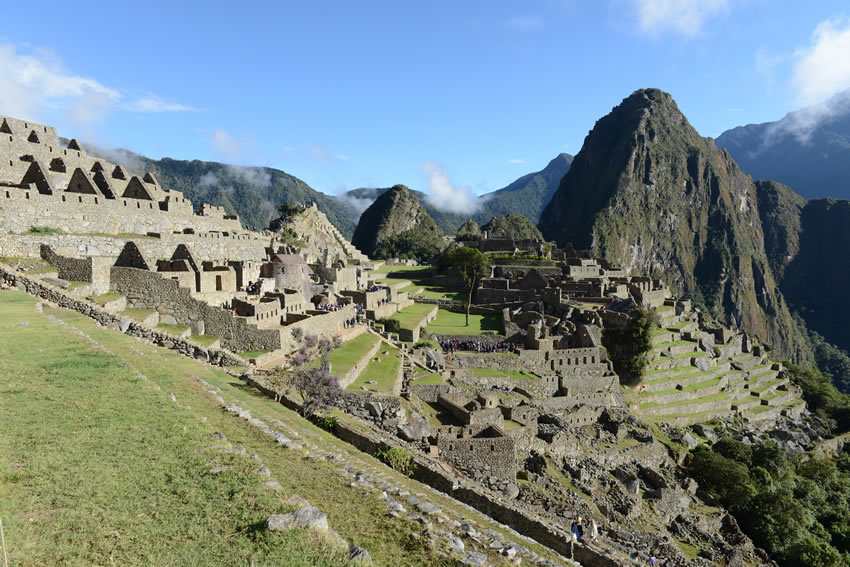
(420,277)
(411,317)
(383,371)
(451,323)
(346,356)
(100,467)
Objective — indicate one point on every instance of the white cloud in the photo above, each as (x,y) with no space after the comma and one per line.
(823,68)
(231,148)
(255,176)
(525,23)
(444,196)
(31,83)
(152,103)
(685,17)
(820,80)
(516,161)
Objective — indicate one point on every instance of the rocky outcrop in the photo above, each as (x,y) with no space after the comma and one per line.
(649,193)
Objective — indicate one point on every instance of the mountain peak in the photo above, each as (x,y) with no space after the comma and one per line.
(647,192)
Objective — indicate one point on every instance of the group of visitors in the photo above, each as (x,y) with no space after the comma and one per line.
(330,307)
(253,288)
(577,531)
(374,287)
(650,560)
(454,345)
(349,323)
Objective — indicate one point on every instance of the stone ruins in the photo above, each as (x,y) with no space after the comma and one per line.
(496,409)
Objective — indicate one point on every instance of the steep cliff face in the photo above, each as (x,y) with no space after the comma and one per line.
(649,193)
(815,278)
(396,225)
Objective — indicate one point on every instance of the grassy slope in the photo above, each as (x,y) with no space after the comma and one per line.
(383,371)
(100,461)
(422,277)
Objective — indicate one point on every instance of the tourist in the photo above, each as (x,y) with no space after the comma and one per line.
(576,530)
(580,529)
(594,531)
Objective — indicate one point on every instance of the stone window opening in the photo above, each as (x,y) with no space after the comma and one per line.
(95,200)
(63,198)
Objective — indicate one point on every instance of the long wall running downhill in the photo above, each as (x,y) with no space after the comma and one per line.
(16,280)
(487,502)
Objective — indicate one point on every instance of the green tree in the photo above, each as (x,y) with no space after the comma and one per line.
(472,265)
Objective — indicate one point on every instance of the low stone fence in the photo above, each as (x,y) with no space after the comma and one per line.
(218,357)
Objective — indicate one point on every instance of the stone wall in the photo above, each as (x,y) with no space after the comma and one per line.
(148,290)
(204,246)
(54,295)
(73,212)
(94,270)
(509,513)
(490,456)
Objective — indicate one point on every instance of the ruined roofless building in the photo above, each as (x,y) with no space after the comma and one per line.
(45,183)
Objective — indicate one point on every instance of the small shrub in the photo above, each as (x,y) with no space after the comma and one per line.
(327,422)
(399,459)
(44,230)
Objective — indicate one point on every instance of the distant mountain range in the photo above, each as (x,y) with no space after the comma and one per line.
(647,192)
(527,196)
(808,150)
(254,193)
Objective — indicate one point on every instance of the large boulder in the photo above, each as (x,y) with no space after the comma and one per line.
(307,517)
(415,430)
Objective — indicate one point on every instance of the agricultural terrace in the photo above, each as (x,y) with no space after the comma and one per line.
(423,282)
(451,323)
(383,369)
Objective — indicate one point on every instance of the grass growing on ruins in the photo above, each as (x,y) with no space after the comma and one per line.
(246,354)
(345,357)
(104,298)
(31,266)
(383,369)
(43,230)
(428,379)
(138,314)
(420,277)
(411,317)
(451,323)
(512,374)
(204,340)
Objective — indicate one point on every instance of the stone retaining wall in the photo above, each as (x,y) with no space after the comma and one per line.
(54,295)
(204,246)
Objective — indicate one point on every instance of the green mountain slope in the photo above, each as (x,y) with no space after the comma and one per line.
(808,150)
(647,192)
(396,225)
(253,193)
(526,196)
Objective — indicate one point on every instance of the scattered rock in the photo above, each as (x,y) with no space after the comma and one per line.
(455,543)
(358,556)
(511,490)
(475,559)
(220,468)
(273,485)
(296,501)
(307,517)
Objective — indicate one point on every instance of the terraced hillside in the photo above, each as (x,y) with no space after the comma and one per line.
(684,383)
(119,451)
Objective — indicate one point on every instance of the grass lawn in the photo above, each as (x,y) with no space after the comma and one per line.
(346,356)
(451,323)
(428,379)
(411,317)
(204,340)
(100,467)
(420,277)
(383,371)
(138,314)
(512,374)
(104,298)
(31,266)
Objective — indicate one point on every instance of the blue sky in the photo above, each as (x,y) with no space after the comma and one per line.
(456,98)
